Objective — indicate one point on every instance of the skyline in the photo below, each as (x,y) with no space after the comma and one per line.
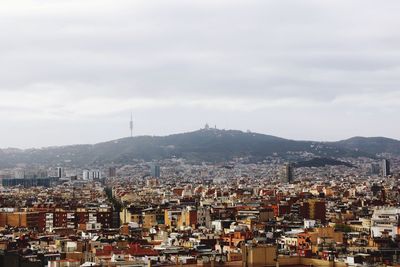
(205,127)
(73,71)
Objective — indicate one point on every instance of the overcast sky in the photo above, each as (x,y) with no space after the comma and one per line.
(73,70)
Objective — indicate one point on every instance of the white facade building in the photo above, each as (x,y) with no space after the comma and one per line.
(385,219)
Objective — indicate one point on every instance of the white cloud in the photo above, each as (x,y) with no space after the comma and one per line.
(81,61)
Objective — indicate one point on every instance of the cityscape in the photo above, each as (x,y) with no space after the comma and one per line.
(199,133)
(178,212)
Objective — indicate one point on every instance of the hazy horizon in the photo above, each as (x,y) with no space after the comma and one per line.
(73,71)
(189,131)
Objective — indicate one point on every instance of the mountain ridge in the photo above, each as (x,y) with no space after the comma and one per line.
(209,145)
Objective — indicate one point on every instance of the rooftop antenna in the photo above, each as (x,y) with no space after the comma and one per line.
(131,125)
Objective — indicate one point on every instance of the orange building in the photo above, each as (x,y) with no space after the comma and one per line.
(20,219)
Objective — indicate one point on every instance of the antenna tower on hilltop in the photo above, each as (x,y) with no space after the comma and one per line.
(131,125)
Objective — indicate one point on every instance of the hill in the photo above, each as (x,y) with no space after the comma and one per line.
(371,145)
(209,145)
(322,162)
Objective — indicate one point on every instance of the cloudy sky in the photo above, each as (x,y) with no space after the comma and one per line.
(73,70)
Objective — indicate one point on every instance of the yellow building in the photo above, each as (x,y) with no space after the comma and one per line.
(20,219)
(188,218)
(171,217)
(258,255)
(127,216)
(149,220)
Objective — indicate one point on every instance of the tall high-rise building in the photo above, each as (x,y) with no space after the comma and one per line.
(60,172)
(91,175)
(155,170)
(112,172)
(288,173)
(85,175)
(19,173)
(374,169)
(385,168)
(95,174)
